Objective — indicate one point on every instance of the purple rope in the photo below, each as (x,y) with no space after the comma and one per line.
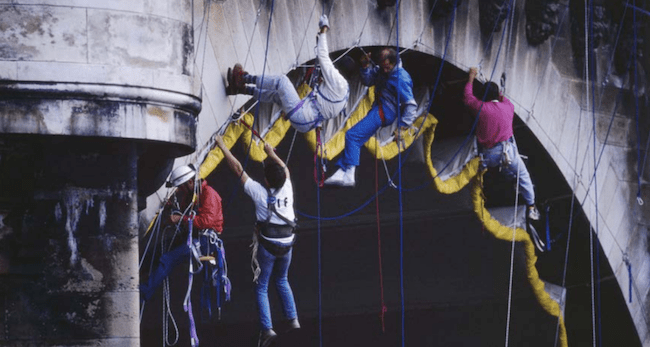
(187,305)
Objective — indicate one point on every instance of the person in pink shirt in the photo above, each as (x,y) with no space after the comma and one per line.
(497,147)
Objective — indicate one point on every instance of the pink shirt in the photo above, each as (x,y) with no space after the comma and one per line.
(495,120)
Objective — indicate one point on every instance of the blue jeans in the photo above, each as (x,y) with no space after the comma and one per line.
(360,133)
(279,268)
(168,262)
(280,90)
(496,156)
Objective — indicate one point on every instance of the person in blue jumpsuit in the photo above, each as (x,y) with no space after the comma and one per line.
(393,94)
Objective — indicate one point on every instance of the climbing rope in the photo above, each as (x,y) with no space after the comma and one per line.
(636,107)
(383,308)
(588,27)
(512,247)
(320,269)
(319,148)
(399,190)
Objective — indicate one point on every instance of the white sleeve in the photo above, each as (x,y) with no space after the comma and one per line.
(254,189)
(330,74)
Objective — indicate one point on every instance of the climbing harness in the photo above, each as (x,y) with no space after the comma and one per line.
(215,272)
(272,230)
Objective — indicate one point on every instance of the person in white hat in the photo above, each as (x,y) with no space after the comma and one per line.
(205,214)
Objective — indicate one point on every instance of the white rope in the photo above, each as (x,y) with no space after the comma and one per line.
(591,236)
(293,140)
(250,44)
(381,151)
(306,30)
(510,24)
(168,316)
(424,27)
(512,249)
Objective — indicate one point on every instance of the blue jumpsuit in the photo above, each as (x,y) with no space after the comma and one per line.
(387,89)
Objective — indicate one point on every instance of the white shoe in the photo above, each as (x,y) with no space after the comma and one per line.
(342,178)
(336,179)
(348,179)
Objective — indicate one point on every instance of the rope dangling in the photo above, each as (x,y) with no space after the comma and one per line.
(384,309)
(548,228)
(628,264)
(249,127)
(187,303)
(319,147)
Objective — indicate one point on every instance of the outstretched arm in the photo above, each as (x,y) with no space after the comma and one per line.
(271,152)
(470,100)
(234,164)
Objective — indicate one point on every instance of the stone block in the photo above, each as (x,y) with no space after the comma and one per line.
(606,194)
(625,164)
(613,130)
(118,39)
(43,33)
(624,232)
(569,138)
(641,279)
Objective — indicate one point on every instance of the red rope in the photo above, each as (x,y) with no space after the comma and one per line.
(381,273)
(319,146)
(252,130)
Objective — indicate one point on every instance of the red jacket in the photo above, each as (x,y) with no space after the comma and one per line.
(209,214)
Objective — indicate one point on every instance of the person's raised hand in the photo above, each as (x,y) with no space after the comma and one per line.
(473,72)
(365,59)
(323,22)
(268,148)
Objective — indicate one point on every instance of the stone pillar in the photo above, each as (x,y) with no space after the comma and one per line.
(95,98)
(70,253)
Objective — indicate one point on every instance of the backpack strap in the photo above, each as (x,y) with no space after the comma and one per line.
(270,204)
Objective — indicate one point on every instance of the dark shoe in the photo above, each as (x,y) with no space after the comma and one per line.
(292,325)
(533,213)
(230,90)
(238,74)
(266,337)
(539,243)
(237,115)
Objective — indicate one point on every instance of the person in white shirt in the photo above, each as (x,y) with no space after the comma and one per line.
(327,99)
(273,239)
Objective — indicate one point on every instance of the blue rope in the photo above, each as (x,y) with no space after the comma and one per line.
(238,187)
(399,189)
(320,285)
(637,9)
(636,104)
(592,74)
(628,264)
(489,41)
(408,150)
(548,228)
(611,59)
(611,122)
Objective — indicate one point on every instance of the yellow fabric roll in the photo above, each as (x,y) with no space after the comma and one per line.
(502,232)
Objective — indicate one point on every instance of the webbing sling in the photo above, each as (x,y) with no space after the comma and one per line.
(270,203)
